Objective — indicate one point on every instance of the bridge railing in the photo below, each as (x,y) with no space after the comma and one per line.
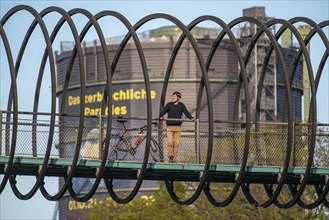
(32,135)
(268,140)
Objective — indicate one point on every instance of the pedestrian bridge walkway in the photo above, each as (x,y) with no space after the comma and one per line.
(285,157)
(160,171)
(35,147)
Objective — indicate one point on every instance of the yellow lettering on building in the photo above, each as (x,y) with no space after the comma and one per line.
(115,96)
(131,94)
(123,110)
(137,95)
(74,100)
(153,94)
(100,96)
(116,110)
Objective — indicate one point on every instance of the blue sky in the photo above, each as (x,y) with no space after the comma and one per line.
(186,11)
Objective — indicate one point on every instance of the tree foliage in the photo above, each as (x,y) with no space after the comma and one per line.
(161,206)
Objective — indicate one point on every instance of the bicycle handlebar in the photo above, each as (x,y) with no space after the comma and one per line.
(142,129)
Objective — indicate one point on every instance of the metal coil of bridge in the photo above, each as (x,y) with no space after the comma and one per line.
(204,183)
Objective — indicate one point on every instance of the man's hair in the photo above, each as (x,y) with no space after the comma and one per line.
(177,94)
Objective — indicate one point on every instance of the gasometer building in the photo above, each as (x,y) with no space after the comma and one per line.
(129,95)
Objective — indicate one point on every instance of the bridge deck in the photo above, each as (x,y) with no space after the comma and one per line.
(161,171)
(267,150)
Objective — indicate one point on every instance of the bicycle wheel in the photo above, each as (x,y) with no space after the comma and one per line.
(156,151)
(119,148)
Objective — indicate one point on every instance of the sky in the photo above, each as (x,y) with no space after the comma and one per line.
(186,11)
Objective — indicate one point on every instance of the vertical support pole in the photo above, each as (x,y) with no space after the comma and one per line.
(61,136)
(161,140)
(235,136)
(0,133)
(257,159)
(197,141)
(7,138)
(76,131)
(34,138)
(293,145)
(100,136)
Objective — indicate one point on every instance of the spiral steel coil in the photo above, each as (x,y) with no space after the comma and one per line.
(204,183)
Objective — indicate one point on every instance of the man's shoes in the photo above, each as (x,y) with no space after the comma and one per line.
(171,159)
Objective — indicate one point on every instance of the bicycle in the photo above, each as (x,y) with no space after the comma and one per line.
(121,146)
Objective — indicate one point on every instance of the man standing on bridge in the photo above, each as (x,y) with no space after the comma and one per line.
(175,109)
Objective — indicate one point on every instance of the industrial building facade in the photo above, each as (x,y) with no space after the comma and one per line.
(185,75)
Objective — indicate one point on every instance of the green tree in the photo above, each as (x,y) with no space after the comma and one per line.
(161,206)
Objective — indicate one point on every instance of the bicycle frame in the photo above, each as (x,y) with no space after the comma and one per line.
(124,145)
